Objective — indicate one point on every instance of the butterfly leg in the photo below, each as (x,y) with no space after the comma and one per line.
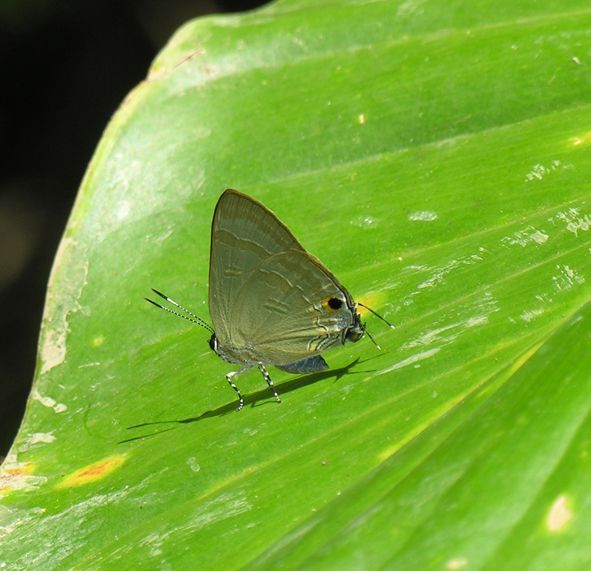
(229,378)
(267,378)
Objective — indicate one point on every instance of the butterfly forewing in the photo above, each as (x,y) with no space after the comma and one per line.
(244,234)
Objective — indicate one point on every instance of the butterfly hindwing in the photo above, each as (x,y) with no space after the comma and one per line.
(308,365)
(290,308)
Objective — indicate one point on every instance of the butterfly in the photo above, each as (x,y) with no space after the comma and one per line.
(270,301)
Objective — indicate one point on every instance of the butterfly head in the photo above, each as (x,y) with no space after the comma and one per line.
(356,330)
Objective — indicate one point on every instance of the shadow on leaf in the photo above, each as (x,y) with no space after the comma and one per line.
(252,399)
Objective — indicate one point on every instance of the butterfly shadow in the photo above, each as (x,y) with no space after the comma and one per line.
(259,398)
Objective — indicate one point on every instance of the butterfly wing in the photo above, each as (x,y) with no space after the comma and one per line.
(290,308)
(244,233)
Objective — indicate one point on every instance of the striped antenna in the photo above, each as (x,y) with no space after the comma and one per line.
(377,315)
(190,316)
(372,339)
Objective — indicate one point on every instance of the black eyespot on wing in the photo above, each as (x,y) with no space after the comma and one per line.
(335,303)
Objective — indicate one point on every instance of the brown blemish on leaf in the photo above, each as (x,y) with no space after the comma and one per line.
(19,469)
(93,472)
(16,476)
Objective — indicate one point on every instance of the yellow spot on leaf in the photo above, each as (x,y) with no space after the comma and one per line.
(559,514)
(98,341)
(373,300)
(93,472)
(581,140)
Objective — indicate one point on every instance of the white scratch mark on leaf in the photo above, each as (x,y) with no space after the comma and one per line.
(437,335)
(223,507)
(526,236)
(410,360)
(423,216)
(574,220)
(567,278)
(440,273)
(364,221)
(37,438)
(531,314)
(48,402)
(539,171)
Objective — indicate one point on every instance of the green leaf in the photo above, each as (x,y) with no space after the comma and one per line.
(435,156)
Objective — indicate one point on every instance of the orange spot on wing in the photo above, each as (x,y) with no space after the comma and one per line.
(93,472)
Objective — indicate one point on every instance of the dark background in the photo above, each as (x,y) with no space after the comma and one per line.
(65,66)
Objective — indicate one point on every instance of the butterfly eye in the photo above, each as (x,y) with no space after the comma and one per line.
(333,303)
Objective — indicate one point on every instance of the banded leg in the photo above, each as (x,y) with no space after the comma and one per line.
(229,378)
(267,378)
